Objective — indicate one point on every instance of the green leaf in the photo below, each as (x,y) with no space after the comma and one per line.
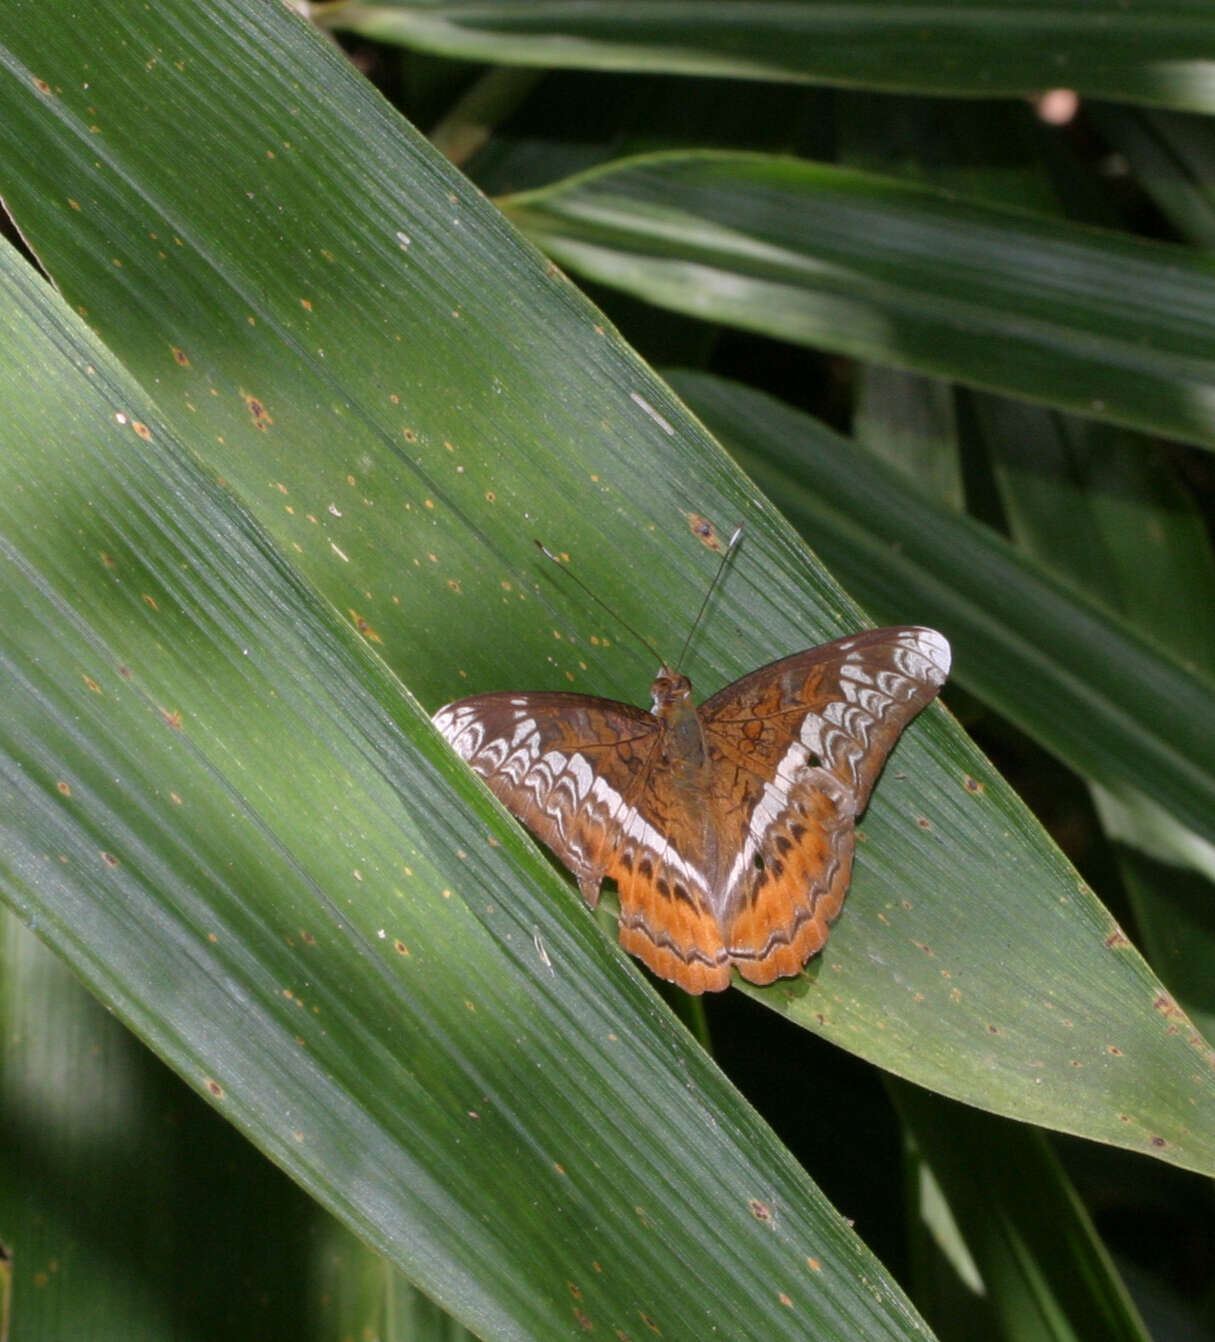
(1152,53)
(97,1131)
(1107,325)
(227,817)
(1000,1238)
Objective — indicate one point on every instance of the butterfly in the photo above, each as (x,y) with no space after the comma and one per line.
(728,828)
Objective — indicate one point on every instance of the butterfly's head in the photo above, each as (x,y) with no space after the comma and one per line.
(669,688)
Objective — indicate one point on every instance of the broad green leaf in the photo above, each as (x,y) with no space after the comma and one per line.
(110,1169)
(1107,325)
(1156,53)
(229,818)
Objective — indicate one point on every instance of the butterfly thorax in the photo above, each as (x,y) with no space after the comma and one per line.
(683,741)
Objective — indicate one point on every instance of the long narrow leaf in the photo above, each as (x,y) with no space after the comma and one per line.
(1153,53)
(1107,325)
(225,814)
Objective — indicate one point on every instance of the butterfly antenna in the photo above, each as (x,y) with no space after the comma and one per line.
(704,605)
(645,642)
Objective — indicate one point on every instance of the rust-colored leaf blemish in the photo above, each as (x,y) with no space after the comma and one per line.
(180,357)
(993,1029)
(41,85)
(109,859)
(149,600)
(364,628)
(306,304)
(925,947)
(215,1089)
(92,684)
(108,560)
(142,430)
(559,1168)
(760,1210)
(1116,939)
(784,1299)
(173,719)
(1114,1051)
(973,785)
(923,822)
(64,788)
(262,419)
(814,1264)
(1167,1006)
(307,937)
(410,435)
(649,1323)
(706,531)
(583,1321)
(400,947)
(574,1291)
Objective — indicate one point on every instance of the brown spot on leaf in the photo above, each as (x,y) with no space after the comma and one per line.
(64,788)
(364,628)
(215,1089)
(760,1210)
(973,785)
(262,419)
(109,859)
(1117,938)
(702,527)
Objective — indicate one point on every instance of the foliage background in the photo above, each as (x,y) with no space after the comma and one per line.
(1084,578)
